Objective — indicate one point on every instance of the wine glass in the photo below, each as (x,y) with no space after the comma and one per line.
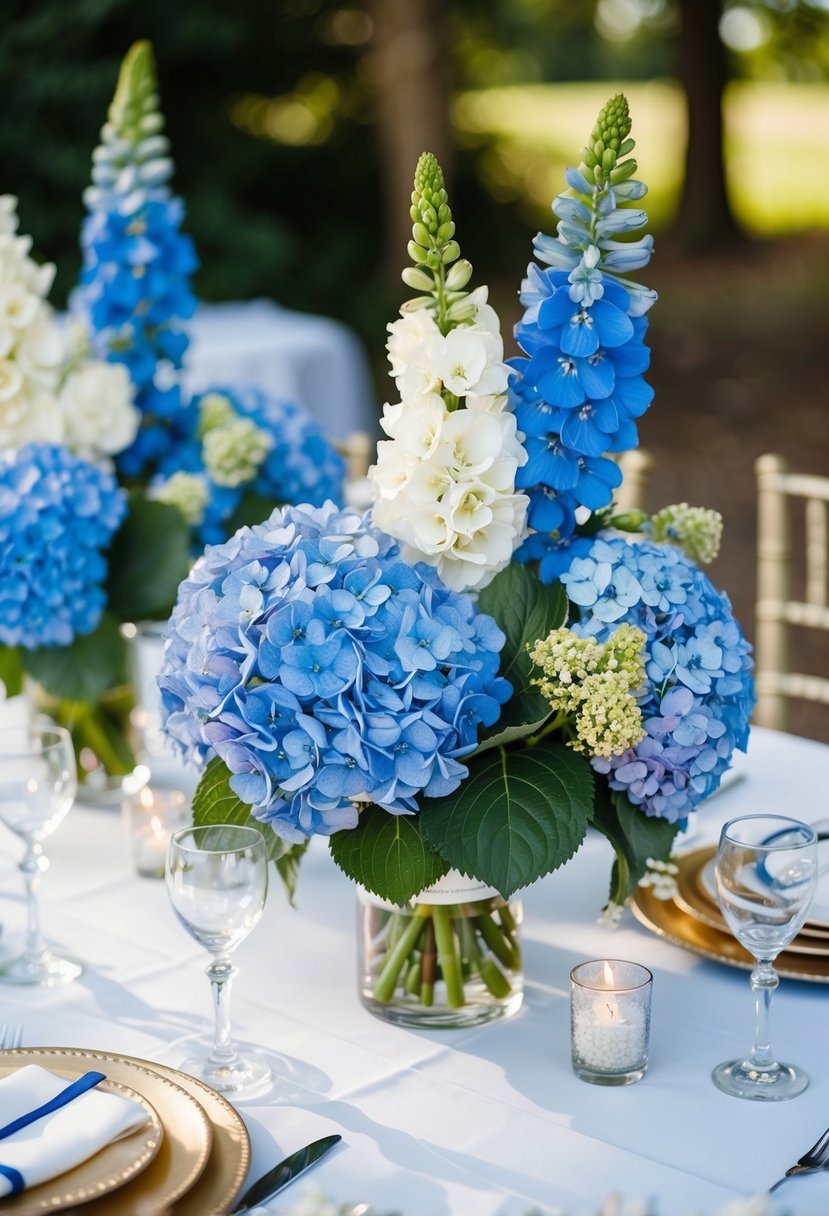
(217,880)
(766,869)
(38,783)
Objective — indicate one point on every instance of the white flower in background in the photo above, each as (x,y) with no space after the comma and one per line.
(44,397)
(98,411)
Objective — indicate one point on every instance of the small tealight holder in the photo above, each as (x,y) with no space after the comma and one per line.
(150,817)
(610,1021)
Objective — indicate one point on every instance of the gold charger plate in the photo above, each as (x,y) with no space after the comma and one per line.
(112,1167)
(663,917)
(694,899)
(706,883)
(184,1149)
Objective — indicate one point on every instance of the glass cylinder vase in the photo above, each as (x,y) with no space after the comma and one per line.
(452,958)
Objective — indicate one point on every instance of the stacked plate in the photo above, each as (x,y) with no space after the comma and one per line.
(692,919)
(190,1159)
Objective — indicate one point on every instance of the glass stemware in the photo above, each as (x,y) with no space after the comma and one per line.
(766,869)
(38,783)
(217,880)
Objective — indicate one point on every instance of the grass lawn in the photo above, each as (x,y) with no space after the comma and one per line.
(777,146)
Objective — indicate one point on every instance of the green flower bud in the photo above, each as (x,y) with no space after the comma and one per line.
(418,279)
(416,253)
(136,94)
(459,275)
(608,159)
(446,230)
(421,235)
(622,172)
(215,410)
(613,124)
(452,252)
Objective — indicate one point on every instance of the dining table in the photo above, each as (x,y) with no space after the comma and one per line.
(483,1121)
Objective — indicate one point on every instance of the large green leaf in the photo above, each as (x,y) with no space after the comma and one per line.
(635,837)
(84,670)
(387,854)
(526,610)
(517,816)
(215,802)
(148,558)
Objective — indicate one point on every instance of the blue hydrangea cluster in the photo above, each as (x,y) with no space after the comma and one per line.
(135,281)
(324,670)
(301,464)
(57,517)
(579,387)
(699,691)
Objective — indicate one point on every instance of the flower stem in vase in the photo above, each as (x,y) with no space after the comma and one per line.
(429,965)
(499,941)
(448,954)
(399,955)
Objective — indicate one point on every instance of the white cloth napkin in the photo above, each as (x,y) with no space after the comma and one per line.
(66,1137)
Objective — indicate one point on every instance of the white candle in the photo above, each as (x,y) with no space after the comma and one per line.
(151,816)
(610,1019)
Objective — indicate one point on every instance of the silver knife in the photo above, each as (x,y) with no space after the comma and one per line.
(289,1169)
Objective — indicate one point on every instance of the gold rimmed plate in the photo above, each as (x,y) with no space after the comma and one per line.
(698,893)
(181,1156)
(108,1170)
(692,898)
(666,919)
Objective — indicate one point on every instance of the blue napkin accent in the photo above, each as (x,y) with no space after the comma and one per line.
(74,1090)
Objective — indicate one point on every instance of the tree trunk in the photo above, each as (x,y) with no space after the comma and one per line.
(705,217)
(408,67)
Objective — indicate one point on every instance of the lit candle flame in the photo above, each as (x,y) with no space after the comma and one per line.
(608,975)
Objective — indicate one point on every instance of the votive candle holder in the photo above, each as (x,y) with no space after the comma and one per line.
(150,818)
(610,1019)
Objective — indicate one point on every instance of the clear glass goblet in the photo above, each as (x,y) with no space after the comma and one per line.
(217,880)
(766,869)
(38,783)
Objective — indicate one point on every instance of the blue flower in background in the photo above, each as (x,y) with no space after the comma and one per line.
(580,388)
(321,668)
(298,463)
(57,517)
(134,288)
(699,694)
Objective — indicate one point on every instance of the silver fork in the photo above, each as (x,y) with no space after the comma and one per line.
(817,1158)
(11,1035)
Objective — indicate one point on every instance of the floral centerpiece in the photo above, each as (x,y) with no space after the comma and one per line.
(110,473)
(454,686)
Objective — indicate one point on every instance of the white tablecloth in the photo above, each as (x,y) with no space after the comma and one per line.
(314,361)
(469,1123)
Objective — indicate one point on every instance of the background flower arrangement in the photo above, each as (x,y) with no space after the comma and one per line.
(343,688)
(110,474)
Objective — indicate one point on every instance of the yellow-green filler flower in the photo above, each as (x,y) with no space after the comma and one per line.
(697,530)
(594,684)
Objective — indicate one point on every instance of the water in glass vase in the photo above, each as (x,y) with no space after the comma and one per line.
(441,965)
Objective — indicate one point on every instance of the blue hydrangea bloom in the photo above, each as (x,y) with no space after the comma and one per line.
(699,694)
(57,517)
(301,465)
(323,669)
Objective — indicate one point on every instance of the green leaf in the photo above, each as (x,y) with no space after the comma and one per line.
(11,670)
(509,734)
(253,509)
(526,610)
(517,816)
(635,837)
(215,802)
(84,670)
(148,558)
(387,854)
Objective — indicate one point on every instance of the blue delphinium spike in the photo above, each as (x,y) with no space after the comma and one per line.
(134,288)
(580,388)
